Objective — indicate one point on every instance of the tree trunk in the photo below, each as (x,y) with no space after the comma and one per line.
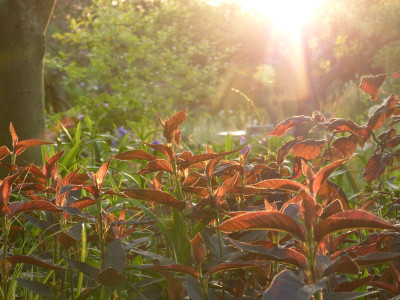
(23,24)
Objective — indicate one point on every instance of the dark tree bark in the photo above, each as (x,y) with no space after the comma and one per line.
(23,24)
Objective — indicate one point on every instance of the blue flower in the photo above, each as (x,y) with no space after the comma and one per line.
(122,131)
(156,142)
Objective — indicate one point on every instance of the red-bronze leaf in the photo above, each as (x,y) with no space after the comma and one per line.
(32,260)
(25,144)
(376,258)
(231,266)
(346,145)
(378,119)
(66,240)
(211,166)
(14,136)
(351,286)
(198,250)
(308,149)
(285,149)
(4,151)
(394,142)
(50,169)
(284,126)
(191,160)
(331,209)
(226,186)
(347,220)
(372,84)
(171,268)
(323,175)
(284,255)
(100,175)
(343,125)
(263,221)
(308,210)
(171,126)
(175,289)
(18,207)
(154,196)
(111,277)
(376,165)
(386,286)
(156,166)
(330,191)
(135,154)
(281,184)
(167,151)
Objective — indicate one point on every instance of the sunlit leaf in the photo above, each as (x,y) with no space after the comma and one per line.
(330,191)
(50,169)
(263,221)
(285,149)
(282,184)
(4,151)
(135,154)
(323,175)
(308,149)
(156,166)
(284,126)
(25,144)
(378,119)
(191,160)
(167,151)
(372,84)
(376,165)
(343,125)
(350,219)
(18,207)
(154,196)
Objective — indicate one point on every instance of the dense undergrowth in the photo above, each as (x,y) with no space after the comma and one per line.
(159,222)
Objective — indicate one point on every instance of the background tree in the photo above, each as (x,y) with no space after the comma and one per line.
(23,24)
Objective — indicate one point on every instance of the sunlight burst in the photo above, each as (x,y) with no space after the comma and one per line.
(285,15)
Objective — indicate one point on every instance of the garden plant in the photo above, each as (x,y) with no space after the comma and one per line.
(158,221)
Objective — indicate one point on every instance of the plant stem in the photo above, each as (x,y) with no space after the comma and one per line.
(311,253)
(100,225)
(4,272)
(83,259)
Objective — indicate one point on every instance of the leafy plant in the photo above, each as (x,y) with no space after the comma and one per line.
(158,222)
